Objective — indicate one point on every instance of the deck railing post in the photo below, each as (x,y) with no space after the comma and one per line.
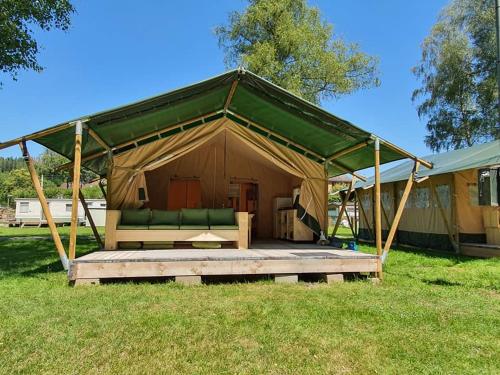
(76,188)
(44,204)
(378,210)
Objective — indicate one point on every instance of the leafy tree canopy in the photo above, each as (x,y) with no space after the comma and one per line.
(18,18)
(287,42)
(458,96)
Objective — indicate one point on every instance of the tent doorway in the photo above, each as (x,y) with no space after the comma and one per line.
(229,173)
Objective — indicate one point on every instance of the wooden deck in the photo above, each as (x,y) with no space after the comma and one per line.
(283,260)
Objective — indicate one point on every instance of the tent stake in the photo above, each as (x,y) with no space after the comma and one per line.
(378,214)
(76,189)
(44,204)
(399,212)
(90,219)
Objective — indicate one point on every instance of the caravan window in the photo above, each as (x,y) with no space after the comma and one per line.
(24,207)
(68,207)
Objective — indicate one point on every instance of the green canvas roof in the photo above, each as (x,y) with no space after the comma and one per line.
(478,156)
(252,102)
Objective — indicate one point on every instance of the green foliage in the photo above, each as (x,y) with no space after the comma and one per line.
(458,95)
(287,42)
(46,165)
(18,48)
(10,163)
(16,184)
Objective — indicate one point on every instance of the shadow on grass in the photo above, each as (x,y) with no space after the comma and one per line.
(29,257)
(441,282)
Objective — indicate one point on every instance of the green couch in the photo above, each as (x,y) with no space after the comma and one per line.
(157,228)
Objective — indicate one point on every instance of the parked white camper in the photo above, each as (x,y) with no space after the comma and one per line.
(29,211)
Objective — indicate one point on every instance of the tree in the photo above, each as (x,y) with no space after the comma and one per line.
(17,184)
(458,95)
(287,42)
(49,161)
(18,48)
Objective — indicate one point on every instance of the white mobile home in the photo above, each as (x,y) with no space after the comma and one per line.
(29,211)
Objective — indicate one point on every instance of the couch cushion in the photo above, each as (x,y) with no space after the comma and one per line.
(231,227)
(196,227)
(132,227)
(129,245)
(135,217)
(221,216)
(164,227)
(194,216)
(161,217)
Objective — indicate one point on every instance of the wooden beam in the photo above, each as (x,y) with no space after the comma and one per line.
(35,135)
(445,220)
(103,191)
(230,95)
(98,139)
(407,154)
(90,219)
(347,170)
(377,207)
(399,211)
(384,213)
(138,139)
(363,213)
(348,150)
(350,223)
(283,138)
(44,204)
(76,190)
(343,207)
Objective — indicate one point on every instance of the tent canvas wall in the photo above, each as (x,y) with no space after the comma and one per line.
(443,206)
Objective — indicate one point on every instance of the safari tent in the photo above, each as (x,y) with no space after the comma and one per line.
(453,206)
(233,130)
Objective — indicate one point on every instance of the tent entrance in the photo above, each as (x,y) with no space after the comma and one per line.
(229,173)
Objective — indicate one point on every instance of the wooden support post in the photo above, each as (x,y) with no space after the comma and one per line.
(349,221)
(286,278)
(399,211)
(342,208)
(90,219)
(363,213)
(76,189)
(44,204)
(103,191)
(445,220)
(386,218)
(377,207)
(188,280)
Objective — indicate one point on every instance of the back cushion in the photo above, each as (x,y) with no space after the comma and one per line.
(136,217)
(194,216)
(221,216)
(161,217)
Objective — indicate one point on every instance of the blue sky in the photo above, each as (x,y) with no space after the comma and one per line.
(121,51)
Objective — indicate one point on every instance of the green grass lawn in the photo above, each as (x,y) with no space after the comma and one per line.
(432,314)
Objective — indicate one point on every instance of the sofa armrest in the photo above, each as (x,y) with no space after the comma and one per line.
(243,225)
(112,220)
